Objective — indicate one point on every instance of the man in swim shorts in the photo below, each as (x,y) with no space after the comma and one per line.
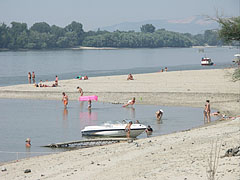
(130,102)
(128,129)
(65,100)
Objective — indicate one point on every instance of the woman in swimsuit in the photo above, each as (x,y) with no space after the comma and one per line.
(65,100)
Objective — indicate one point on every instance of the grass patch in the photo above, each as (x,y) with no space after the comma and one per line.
(236,75)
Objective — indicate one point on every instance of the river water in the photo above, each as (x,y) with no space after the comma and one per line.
(47,122)
(68,64)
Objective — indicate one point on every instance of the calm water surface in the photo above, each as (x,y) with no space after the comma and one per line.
(47,122)
(68,64)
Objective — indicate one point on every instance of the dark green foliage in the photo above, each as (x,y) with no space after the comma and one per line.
(230,28)
(41,27)
(43,36)
(147,28)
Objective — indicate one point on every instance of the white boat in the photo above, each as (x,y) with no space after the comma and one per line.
(206,62)
(114,130)
(237,59)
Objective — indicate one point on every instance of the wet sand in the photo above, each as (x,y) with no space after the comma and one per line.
(181,155)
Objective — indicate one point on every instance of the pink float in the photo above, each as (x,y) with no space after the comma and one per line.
(87,98)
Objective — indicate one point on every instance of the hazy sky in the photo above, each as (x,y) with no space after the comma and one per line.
(99,13)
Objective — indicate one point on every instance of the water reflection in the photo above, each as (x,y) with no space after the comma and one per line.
(131,111)
(159,121)
(81,105)
(88,117)
(65,114)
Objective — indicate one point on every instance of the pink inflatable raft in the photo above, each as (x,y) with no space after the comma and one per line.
(87,98)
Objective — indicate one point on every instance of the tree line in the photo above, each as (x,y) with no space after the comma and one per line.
(43,36)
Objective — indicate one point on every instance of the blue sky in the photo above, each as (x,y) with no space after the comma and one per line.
(98,13)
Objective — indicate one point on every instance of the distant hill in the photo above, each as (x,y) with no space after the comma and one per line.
(193,25)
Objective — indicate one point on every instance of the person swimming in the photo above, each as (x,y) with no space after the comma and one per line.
(28,142)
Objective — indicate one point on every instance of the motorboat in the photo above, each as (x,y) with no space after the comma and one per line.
(114,130)
(237,59)
(206,62)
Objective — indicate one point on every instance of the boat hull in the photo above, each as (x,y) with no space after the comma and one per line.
(113,131)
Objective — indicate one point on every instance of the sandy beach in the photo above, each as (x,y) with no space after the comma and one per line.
(181,155)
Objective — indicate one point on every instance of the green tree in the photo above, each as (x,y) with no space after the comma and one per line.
(4,36)
(229,28)
(18,33)
(41,27)
(147,28)
(78,29)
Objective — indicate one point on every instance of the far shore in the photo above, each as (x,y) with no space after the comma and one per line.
(180,156)
(103,48)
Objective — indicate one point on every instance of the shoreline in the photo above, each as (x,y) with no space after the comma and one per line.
(189,88)
(159,157)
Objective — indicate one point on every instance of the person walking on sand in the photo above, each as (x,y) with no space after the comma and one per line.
(29,77)
(130,102)
(207,111)
(65,99)
(33,77)
(80,91)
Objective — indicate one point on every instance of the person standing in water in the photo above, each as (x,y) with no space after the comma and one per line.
(28,142)
(130,102)
(33,77)
(128,129)
(65,99)
(89,104)
(159,114)
(207,111)
(29,77)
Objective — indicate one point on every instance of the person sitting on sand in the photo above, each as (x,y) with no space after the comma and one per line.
(28,142)
(65,100)
(216,113)
(80,91)
(130,102)
(159,114)
(55,84)
(79,77)
(130,77)
(40,84)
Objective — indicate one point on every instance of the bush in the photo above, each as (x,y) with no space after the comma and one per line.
(236,75)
